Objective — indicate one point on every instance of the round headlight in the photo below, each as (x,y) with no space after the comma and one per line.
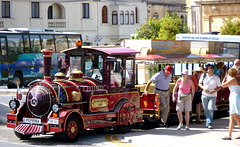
(12,104)
(55,108)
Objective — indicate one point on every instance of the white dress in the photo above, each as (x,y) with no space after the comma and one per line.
(234,99)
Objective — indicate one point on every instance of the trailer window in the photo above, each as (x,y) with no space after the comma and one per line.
(129,71)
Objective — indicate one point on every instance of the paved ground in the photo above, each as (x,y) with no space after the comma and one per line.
(198,136)
(5,91)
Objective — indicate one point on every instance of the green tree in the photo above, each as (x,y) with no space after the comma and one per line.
(164,29)
(170,26)
(149,30)
(230,26)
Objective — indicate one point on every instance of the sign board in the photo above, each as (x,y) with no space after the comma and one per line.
(214,38)
(170,47)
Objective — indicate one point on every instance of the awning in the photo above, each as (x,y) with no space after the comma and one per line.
(110,50)
(183,58)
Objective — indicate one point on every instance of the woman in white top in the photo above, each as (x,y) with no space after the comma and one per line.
(234,100)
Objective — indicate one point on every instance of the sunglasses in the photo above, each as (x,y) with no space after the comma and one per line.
(199,72)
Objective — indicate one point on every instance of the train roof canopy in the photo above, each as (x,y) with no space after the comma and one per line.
(116,50)
(184,58)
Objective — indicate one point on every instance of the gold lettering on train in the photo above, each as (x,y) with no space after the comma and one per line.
(97,103)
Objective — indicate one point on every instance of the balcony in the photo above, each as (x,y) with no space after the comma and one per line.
(56,23)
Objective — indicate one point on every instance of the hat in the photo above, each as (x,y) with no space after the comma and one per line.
(185,72)
(168,68)
(198,69)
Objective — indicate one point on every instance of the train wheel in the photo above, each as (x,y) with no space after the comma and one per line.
(72,130)
(22,137)
(124,128)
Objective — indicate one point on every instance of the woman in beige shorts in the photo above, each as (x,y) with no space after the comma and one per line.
(186,89)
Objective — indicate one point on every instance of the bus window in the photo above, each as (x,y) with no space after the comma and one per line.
(35,43)
(48,42)
(3,48)
(15,44)
(26,44)
(72,40)
(61,42)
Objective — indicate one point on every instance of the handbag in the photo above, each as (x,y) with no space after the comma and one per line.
(183,97)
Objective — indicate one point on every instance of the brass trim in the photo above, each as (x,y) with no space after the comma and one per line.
(47,55)
(64,90)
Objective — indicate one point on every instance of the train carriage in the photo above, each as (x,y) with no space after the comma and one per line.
(156,60)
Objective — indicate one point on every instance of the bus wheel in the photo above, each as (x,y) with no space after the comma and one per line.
(72,130)
(124,128)
(22,137)
(17,78)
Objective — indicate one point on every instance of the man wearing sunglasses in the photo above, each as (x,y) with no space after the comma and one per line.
(210,84)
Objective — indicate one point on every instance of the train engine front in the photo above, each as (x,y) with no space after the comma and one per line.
(40,113)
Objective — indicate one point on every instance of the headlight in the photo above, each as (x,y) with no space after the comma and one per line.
(55,108)
(13,104)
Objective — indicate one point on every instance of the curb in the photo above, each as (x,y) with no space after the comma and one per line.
(12,92)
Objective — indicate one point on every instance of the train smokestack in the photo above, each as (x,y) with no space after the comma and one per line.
(47,57)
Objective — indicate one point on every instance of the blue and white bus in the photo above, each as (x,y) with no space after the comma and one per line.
(21,58)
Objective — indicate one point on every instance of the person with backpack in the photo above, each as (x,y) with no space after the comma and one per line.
(210,84)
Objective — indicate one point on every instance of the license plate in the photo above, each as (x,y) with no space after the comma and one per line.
(31,120)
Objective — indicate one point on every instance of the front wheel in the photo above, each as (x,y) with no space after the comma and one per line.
(72,130)
(124,128)
(23,137)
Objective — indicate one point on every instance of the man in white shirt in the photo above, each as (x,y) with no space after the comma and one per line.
(162,80)
(210,84)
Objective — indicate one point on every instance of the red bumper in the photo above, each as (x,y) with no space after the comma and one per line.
(29,129)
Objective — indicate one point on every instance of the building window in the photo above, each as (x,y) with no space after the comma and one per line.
(136,15)
(50,12)
(5,9)
(155,15)
(85,10)
(35,10)
(114,18)
(132,17)
(126,17)
(121,17)
(104,14)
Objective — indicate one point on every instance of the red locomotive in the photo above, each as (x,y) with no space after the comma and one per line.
(98,91)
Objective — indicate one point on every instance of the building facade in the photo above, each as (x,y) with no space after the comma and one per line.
(209,15)
(158,8)
(101,22)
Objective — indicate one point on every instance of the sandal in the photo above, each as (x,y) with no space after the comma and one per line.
(227,138)
(237,137)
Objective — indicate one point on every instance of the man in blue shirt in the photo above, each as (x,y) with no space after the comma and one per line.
(162,80)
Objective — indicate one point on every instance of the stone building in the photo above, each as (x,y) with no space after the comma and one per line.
(158,8)
(208,15)
(100,21)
